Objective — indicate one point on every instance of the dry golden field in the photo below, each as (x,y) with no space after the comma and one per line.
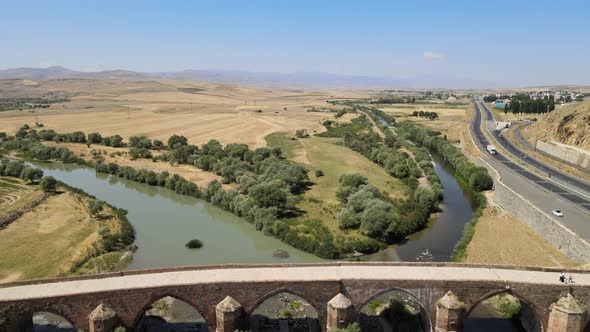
(451,116)
(500,238)
(158,109)
(44,242)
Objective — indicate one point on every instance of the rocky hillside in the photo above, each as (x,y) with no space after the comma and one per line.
(568,124)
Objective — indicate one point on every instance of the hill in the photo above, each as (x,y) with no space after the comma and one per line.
(255,79)
(568,125)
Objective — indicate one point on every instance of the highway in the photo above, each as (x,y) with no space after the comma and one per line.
(567,187)
(529,146)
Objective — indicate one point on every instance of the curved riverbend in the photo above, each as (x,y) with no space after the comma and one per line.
(164,221)
(437,241)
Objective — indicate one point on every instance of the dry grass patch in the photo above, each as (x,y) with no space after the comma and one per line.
(159,109)
(43,242)
(15,194)
(500,238)
(450,116)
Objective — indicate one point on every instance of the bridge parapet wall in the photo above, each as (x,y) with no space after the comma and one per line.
(130,304)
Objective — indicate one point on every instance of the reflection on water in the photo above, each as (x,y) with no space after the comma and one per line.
(484,319)
(164,221)
(437,241)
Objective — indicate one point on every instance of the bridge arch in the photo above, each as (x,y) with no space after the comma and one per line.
(53,316)
(284,306)
(530,317)
(175,310)
(404,296)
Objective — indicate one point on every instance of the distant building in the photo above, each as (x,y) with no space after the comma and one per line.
(451,98)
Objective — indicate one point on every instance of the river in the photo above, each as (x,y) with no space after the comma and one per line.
(437,241)
(164,221)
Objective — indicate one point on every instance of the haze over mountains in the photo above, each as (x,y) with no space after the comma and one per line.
(260,79)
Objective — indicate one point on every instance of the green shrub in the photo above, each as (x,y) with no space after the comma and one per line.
(319,173)
(194,244)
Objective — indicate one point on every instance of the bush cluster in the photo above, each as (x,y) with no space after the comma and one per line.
(429,115)
(18,169)
(365,208)
(477,177)
(31,148)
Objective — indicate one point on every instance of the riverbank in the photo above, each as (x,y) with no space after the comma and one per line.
(56,238)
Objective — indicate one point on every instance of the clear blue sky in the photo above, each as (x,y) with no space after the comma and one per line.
(507,42)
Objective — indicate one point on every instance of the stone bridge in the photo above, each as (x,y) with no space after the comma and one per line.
(227,295)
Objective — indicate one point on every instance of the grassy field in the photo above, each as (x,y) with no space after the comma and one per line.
(291,147)
(15,193)
(44,241)
(322,153)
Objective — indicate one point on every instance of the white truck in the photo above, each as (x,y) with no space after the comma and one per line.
(491,149)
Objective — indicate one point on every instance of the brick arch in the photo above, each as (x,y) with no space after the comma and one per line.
(278,291)
(424,308)
(158,296)
(51,311)
(527,304)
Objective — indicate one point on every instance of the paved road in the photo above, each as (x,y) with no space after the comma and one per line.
(529,146)
(578,195)
(320,272)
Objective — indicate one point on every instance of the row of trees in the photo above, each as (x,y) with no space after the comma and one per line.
(163,179)
(477,177)
(32,148)
(423,114)
(528,106)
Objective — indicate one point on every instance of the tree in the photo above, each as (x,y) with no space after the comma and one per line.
(301,133)
(95,138)
(352,180)
(31,174)
(176,141)
(94,206)
(269,194)
(480,180)
(48,184)
(14,168)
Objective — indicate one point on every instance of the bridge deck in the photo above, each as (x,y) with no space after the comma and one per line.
(287,273)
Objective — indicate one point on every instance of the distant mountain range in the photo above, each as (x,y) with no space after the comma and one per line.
(260,79)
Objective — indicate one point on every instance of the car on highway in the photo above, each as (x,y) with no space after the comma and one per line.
(557,213)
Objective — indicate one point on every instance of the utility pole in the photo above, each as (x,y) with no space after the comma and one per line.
(36,117)
(128,112)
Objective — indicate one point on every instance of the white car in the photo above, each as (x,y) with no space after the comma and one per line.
(557,213)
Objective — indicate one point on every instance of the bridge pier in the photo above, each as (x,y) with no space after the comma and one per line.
(566,315)
(229,315)
(102,319)
(340,313)
(450,312)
